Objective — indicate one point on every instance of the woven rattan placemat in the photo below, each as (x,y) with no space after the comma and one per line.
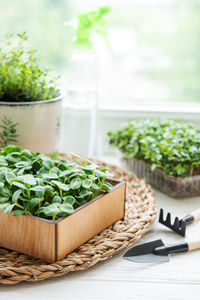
(140,212)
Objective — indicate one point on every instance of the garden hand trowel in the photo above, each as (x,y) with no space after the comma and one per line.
(156,251)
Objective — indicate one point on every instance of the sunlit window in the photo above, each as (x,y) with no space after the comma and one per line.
(155,45)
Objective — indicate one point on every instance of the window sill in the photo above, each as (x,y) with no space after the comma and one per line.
(112,115)
(164,108)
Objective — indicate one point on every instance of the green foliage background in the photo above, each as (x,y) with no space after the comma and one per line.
(170,58)
(44,23)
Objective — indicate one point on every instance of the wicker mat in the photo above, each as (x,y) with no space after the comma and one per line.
(140,213)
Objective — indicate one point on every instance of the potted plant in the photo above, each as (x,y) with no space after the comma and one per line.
(165,152)
(30,101)
(49,207)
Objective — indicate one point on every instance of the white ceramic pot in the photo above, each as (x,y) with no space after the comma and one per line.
(32,125)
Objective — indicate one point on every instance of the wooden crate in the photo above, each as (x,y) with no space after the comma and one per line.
(52,240)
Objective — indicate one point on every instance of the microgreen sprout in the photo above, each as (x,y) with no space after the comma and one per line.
(170,145)
(34,184)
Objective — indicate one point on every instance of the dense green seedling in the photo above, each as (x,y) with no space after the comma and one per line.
(35,184)
(170,145)
(22,77)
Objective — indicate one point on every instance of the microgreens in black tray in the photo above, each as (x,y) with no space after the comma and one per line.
(170,145)
(34,184)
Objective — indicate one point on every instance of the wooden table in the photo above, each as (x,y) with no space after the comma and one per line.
(117,278)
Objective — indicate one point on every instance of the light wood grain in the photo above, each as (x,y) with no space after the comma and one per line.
(28,235)
(194,245)
(51,241)
(78,228)
(196,214)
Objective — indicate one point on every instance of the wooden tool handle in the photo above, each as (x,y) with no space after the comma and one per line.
(192,245)
(196,215)
(177,247)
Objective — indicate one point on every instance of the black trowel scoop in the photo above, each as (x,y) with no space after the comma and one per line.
(156,251)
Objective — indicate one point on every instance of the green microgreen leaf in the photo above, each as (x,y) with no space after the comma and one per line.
(5,192)
(16,195)
(8,208)
(29,179)
(32,203)
(39,190)
(84,194)
(69,199)
(61,185)
(49,192)
(66,208)
(19,184)
(9,176)
(51,210)
(4,199)
(1,184)
(87,183)
(95,186)
(18,212)
(50,176)
(56,199)
(75,183)
(48,164)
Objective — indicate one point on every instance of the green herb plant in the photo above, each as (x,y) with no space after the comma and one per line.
(34,184)
(22,77)
(170,145)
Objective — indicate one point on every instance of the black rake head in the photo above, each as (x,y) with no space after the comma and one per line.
(179,226)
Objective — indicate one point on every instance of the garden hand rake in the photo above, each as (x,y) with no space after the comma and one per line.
(179,225)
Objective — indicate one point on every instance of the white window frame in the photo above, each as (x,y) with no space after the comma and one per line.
(111,116)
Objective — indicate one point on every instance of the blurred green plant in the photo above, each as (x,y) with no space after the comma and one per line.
(22,77)
(170,145)
(171,43)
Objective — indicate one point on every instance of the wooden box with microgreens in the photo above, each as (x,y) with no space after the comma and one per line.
(50,207)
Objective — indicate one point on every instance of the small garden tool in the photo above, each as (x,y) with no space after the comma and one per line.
(156,251)
(179,225)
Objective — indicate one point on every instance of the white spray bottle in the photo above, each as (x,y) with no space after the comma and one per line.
(80,119)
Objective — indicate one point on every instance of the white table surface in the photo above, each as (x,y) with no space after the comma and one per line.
(117,278)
